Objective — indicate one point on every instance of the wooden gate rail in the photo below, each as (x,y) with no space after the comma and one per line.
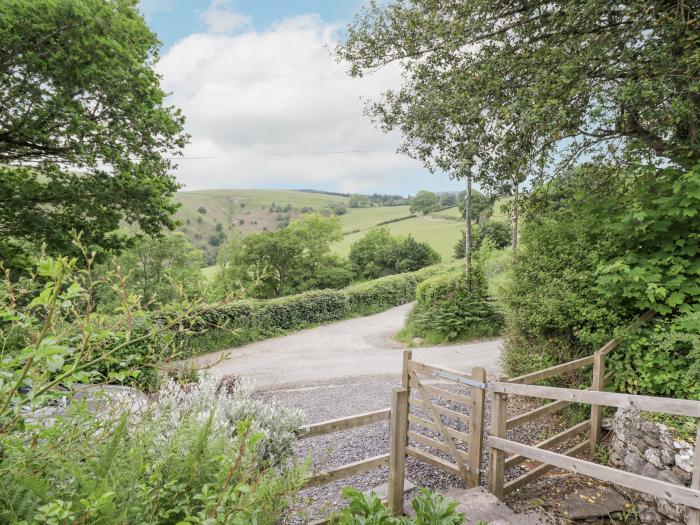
(499,445)
(338,425)
(343,423)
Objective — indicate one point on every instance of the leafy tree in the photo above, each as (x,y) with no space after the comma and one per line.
(499,233)
(424,202)
(448,199)
(270,264)
(482,206)
(79,91)
(372,255)
(411,255)
(159,270)
(227,281)
(379,253)
(359,201)
(507,88)
(599,247)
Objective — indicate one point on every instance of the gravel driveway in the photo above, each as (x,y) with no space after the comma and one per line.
(354,348)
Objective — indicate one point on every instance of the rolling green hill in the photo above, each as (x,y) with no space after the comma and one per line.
(254,211)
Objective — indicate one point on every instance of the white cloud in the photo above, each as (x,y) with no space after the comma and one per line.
(265,103)
(221,17)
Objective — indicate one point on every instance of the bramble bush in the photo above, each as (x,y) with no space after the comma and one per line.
(449,309)
(598,248)
(661,359)
(453,306)
(206,454)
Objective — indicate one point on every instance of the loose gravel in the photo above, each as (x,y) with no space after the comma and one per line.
(325,401)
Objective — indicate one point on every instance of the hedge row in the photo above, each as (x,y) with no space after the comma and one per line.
(243,321)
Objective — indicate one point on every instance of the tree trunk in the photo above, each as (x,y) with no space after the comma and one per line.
(468,236)
(514,241)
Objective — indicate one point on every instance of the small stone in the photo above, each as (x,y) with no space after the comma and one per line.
(650,471)
(666,437)
(681,474)
(634,463)
(668,476)
(651,431)
(650,516)
(653,456)
(606,423)
(667,456)
(684,460)
(679,444)
(667,508)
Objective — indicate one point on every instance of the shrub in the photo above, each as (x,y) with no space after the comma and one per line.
(202,455)
(555,313)
(379,253)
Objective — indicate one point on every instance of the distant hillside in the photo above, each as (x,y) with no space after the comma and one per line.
(247,211)
(254,211)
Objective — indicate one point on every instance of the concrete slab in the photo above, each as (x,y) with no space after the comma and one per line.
(383,490)
(480,506)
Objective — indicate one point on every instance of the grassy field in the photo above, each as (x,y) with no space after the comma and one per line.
(441,234)
(364,218)
(246,211)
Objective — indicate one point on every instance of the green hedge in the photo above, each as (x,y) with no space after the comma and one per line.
(240,322)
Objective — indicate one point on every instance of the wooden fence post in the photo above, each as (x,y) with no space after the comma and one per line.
(694,514)
(476,428)
(499,408)
(598,383)
(398,438)
(405,380)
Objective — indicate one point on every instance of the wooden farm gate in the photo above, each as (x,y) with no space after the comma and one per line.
(469,410)
(434,404)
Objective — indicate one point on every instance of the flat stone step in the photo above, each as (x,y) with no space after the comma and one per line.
(591,502)
(479,505)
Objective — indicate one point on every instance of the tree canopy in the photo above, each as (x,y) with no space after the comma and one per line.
(516,88)
(86,138)
(290,260)
(424,202)
(378,253)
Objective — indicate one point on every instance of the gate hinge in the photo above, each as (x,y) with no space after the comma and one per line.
(463,380)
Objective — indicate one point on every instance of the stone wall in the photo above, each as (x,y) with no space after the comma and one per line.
(651,449)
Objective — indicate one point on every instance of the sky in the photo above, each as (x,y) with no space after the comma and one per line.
(266,104)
